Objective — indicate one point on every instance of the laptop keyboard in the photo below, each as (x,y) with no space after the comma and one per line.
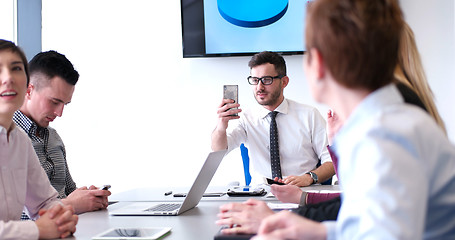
(164,207)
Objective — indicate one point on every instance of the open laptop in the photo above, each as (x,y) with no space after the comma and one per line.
(175,208)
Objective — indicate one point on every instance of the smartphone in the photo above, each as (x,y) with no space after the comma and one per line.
(105,187)
(134,233)
(269,181)
(231,92)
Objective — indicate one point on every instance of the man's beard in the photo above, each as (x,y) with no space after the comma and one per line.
(274,97)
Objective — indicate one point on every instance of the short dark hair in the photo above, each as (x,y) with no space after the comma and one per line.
(8,45)
(358,39)
(51,64)
(269,57)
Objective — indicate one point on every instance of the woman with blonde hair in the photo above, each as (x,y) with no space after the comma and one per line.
(410,71)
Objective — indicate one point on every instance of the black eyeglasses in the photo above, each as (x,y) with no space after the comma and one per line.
(266,80)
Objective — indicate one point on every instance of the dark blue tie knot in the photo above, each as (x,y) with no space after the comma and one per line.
(273,114)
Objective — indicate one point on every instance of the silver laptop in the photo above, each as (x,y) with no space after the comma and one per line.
(175,208)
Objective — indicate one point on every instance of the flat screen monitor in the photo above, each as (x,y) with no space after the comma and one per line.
(221,28)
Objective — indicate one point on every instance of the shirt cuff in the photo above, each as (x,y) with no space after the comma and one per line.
(330,227)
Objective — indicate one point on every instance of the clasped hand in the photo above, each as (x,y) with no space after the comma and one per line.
(57,222)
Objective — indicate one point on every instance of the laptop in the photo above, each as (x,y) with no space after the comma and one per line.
(176,208)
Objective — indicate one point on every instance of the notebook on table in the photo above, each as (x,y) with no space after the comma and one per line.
(175,208)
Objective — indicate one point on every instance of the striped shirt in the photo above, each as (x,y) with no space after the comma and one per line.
(51,153)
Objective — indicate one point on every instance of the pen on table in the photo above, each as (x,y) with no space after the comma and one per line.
(167,193)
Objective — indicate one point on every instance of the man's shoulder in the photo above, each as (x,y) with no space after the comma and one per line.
(20,133)
(53,134)
(301,107)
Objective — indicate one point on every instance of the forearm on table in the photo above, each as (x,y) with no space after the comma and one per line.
(315,197)
(325,171)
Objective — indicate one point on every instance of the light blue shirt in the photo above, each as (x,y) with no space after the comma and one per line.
(397,172)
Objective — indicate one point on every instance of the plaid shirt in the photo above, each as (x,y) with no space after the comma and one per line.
(51,153)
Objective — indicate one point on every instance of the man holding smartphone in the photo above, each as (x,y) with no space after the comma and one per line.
(301,131)
(52,82)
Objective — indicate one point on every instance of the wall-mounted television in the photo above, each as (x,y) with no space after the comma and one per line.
(220,28)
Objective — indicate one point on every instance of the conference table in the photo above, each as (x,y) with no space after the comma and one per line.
(196,223)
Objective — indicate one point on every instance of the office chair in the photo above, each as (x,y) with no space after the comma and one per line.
(246,166)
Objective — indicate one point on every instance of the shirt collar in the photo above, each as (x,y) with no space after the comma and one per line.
(28,125)
(5,131)
(373,104)
(282,108)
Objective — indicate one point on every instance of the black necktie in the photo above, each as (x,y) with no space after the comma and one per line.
(274,148)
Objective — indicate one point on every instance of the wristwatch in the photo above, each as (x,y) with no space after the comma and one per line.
(313,176)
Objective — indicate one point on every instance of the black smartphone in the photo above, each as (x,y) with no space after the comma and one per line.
(105,187)
(269,181)
(231,92)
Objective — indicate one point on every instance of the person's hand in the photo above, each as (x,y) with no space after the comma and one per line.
(243,218)
(86,200)
(287,225)
(57,222)
(286,193)
(333,125)
(300,181)
(101,194)
(224,113)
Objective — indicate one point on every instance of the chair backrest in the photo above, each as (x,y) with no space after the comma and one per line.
(246,164)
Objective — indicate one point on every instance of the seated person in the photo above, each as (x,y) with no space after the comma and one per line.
(403,157)
(52,83)
(413,86)
(313,205)
(300,129)
(23,181)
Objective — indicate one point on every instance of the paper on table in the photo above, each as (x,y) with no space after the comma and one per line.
(282,206)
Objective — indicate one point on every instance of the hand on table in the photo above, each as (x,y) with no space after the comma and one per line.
(286,193)
(300,181)
(243,218)
(287,225)
(88,199)
(57,222)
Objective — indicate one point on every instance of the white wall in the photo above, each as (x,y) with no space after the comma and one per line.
(7,22)
(433,24)
(140,108)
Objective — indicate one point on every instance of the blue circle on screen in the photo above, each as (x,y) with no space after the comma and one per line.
(252,13)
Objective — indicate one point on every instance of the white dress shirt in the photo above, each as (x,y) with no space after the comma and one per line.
(23,182)
(302,138)
(397,173)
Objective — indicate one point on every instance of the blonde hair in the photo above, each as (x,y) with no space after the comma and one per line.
(410,72)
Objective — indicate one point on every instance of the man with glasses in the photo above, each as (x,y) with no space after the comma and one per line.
(300,129)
